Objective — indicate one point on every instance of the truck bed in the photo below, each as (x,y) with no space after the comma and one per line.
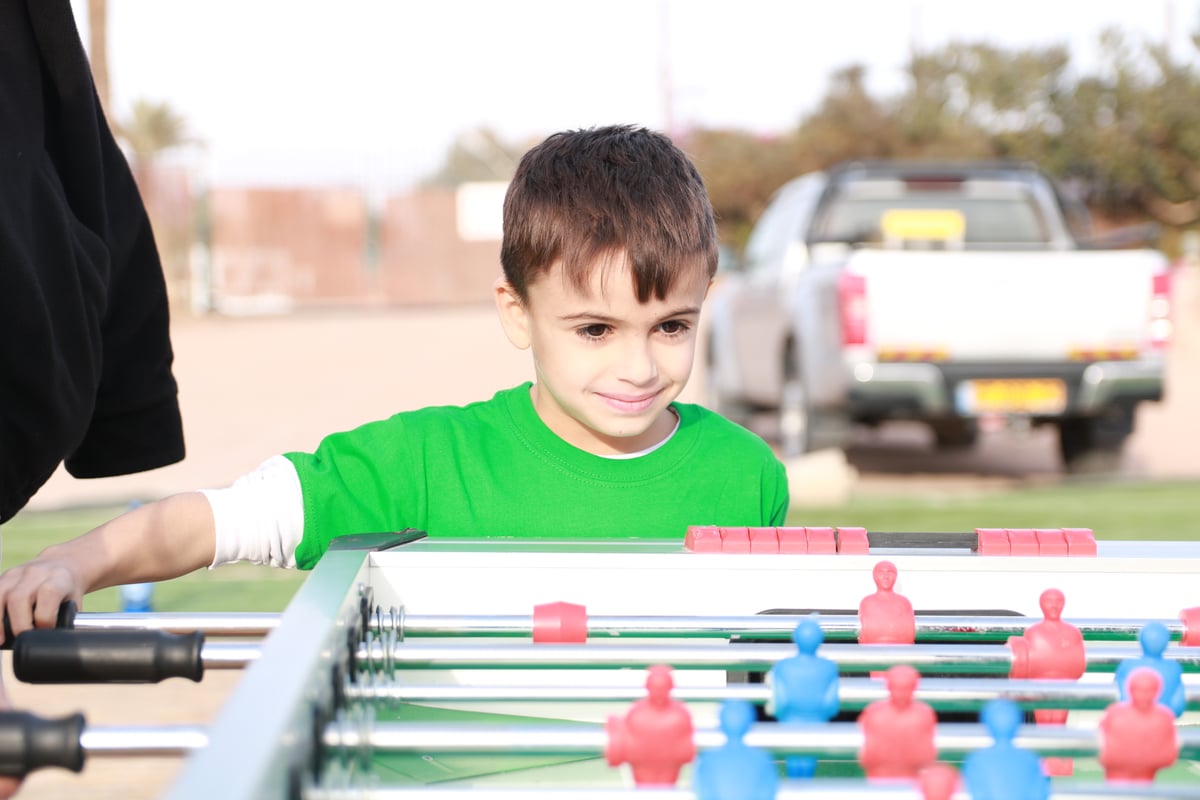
(997,306)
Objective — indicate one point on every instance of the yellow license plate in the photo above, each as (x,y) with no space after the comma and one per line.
(1012,396)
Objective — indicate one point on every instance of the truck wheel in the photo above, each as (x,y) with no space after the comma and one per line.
(1092,445)
(954,434)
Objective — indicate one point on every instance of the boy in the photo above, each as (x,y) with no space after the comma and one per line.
(609,249)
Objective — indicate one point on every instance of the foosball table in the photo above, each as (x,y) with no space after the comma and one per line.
(409,667)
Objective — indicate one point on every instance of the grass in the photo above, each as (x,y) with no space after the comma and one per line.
(1113,510)
(1142,510)
(237,587)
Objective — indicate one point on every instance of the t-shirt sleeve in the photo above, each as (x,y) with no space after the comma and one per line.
(260,518)
(358,481)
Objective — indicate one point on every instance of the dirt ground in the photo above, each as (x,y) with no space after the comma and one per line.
(254,387)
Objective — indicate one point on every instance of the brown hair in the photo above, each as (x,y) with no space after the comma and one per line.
(589,195)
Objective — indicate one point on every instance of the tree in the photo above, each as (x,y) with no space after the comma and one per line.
(1131,134)
(478,154)
(741,171)
(849,123)
(152,128)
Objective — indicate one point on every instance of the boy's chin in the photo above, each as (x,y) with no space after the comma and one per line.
(630,435)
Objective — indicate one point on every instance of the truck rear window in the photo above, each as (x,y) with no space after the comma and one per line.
(999,213)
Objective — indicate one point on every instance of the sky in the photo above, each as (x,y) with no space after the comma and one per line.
(371,93)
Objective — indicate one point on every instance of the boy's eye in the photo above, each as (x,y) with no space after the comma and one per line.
(593,331)
(674,327)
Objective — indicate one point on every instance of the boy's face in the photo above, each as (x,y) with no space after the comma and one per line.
(607,366)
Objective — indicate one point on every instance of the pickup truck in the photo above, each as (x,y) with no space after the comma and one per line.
(947,293)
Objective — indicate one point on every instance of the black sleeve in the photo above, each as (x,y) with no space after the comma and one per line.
(85,351)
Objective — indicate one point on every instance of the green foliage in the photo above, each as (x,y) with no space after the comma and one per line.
(152,128)
(478,155)
(1126,139)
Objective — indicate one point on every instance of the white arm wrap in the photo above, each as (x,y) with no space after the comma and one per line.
(260,518)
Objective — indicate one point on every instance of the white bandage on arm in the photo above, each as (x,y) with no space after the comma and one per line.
(260,518)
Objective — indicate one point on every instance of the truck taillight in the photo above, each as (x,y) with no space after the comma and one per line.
(852,306)
(1160,311)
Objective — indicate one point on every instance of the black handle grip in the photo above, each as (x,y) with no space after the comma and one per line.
(107,656)
(66,620)
(28,743)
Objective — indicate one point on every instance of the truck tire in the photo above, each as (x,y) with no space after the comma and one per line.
(955,433)
(1092,445)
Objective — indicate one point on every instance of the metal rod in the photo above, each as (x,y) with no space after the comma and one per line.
(229,655)
(837,628)
(789,790)
(136,741)
(835,740)
(232,623)
(944,659)
(957,694)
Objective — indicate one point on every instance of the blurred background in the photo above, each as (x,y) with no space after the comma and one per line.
(325,182)
(325,179)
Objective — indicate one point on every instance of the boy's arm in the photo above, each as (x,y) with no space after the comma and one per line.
(153,542)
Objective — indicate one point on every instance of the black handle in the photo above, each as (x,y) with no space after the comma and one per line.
(104,656)
(28,743)
(66,620)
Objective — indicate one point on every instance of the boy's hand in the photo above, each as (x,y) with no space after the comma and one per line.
(31,594)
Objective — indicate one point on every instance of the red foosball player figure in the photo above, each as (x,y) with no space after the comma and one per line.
(655,737)
(898,732)
(1050,650)
(886,617)
(1138,736)
(938,781)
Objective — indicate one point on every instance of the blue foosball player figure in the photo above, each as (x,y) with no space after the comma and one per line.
(1003,771)
(735,771)
(804,688)
(1154,638)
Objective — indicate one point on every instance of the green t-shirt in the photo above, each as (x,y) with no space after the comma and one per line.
(494,470)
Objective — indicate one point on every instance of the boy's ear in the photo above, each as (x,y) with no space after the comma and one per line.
(513,317)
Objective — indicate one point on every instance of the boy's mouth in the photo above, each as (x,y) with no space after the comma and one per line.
(630,404)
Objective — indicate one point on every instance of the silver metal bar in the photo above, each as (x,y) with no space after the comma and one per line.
(229,655)
(789,790)
(835,740)
(929,628)
(264,732)
(946,659)
(137,741)
(232,623)
(837,628)
(958,694)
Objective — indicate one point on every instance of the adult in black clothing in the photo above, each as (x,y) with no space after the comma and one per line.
(85,351)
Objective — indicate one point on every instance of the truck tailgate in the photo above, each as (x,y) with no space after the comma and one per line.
(1012,305)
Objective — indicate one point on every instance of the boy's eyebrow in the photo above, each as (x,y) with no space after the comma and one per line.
(597,316)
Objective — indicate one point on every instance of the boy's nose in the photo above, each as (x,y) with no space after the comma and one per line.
(638,364)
